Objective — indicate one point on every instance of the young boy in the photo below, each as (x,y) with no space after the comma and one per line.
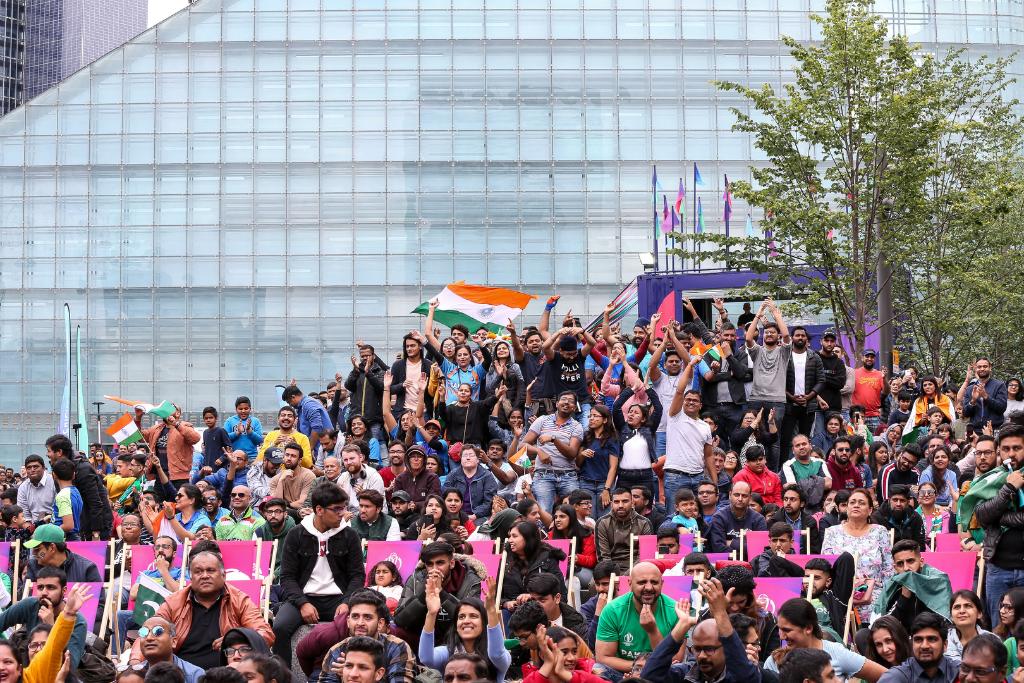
(215,440)
(245,430)
(67,504)
(830,603)
(17,528)
(686,510)
(901,414)
(773,562)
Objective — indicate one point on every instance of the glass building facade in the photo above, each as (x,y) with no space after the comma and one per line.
(232,198)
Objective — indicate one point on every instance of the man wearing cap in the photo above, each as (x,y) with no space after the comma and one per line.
(565,366)
(830,398)
(416,481)
(49,550)
(259,474)
(868,388)
(403,510)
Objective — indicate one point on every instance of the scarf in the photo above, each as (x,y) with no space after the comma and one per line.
(929,585)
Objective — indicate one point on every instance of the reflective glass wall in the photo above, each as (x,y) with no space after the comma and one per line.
(235,196)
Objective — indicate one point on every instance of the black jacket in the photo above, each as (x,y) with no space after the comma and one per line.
(516,578)
(736,373)
(806,522)
(835,379)
(646,431)
(367,392)
(398,376)
(909,526)
(299,555)
(98,516)
(814,378)
(469,572)
(573,620)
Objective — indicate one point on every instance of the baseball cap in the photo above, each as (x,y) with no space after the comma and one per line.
(828,334)
(432,422)
(274,455)
(45,533)
(401,495)
(870,352)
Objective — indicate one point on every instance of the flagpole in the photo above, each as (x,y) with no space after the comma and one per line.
(654,206)
(664,198)
(696,263)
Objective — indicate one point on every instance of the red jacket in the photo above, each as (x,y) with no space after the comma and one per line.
(587,555)
(180,440)
(766,483)
(577,677)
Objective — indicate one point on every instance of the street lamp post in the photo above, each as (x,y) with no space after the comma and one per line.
(883,275)
(99,422)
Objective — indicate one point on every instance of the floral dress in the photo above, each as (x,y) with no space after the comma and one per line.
(872,550)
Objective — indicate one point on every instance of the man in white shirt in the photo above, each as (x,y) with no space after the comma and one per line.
(664,382)
(689,455)
(805,378)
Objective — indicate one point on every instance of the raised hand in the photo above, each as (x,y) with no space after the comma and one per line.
(75,598)
(388,377)
(647,621)
(433,593)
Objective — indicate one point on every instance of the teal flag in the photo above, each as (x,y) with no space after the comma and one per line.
(83,433)
(64,421)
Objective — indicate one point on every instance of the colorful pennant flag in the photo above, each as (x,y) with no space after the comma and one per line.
(622,304)
(666,226)
(750,226)
(697,180)
(675,221)
(125,431)
(727,209)
(680,198)
(700,217)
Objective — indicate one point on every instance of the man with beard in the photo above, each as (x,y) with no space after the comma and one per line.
(357,476)
(721,655)
(242,520)
(724,392)
(46,603)
(259,474)
(332,473)
(403,510)
(372,524)
(553,443)
(415,481)
(928,645)
(793,513)
(368,618)
(984,397)
(293,482)
(285,433)
(199,614)
(867,390)
(830,399)
(279,523)
(635,623)
(395,463)
(769,363)
(460,578)
(805,380)
(984,455)
(841,470)
(897,515)
(565,367)
(915,588)
(530,355)
(900,472)
(808,472)
(617,530)
(726,524)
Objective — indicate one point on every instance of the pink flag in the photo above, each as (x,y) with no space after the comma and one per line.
(405,555)
(482,547)
(772,592)
(666,223)
(565,546)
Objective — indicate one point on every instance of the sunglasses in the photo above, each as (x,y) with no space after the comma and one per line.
(239,495)
(156,631)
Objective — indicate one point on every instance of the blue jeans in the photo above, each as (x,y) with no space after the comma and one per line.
(998,582)
(124,624)
(630,478)
(675,481)
(594,488)
(583,416)
(549,486)
(661,442)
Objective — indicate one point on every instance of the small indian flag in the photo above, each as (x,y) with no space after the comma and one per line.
(125,431)
(477,306)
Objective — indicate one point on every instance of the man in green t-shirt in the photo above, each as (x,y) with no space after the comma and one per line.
(807,471)
(633,624)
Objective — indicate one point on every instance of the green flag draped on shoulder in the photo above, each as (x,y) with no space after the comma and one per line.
(983,488)
(930,585)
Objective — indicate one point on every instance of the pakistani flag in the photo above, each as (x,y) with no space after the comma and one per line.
(148,598)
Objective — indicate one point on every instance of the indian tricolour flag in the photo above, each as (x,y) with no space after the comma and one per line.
(912,434)
(477,306)
(125,431)
(164,410)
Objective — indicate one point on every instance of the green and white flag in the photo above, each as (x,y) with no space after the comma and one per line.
(148,598)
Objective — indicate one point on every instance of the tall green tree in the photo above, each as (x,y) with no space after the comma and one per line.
(869,150)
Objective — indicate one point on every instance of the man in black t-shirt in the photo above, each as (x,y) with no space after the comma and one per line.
(829,400)
(565,366)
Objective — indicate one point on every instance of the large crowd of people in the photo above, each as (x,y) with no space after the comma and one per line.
(491,455)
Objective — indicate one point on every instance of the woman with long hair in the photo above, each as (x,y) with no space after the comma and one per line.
(358,430)
(456,513)
(1014,396)
(931,396)
(186,514)
(968,616)
(798,626)
(936,518)
(756,427)
(599,448)
(878,457)
(504,370)
(432,523)
(1011,610)
(944,478)
(868,542)
(636,428)
(566,526)
(477,629)
(826,437)
(888,643)
(528,555)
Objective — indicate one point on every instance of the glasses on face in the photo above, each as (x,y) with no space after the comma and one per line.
(1005,608)
(705,649)
(240,650)
(976,671)
(336,509)
(239,495)
(179,495)
(209,501)
(842,450)
(156,631)
(36,645)
(925,493)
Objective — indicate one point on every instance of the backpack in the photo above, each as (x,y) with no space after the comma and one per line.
(95,666)
(427,675)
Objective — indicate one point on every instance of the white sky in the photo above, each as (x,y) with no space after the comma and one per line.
(161,9)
